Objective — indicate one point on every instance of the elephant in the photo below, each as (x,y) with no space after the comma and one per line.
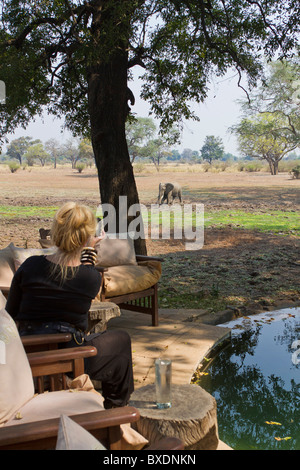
(168,192)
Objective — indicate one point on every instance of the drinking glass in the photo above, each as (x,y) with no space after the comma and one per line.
(163,375)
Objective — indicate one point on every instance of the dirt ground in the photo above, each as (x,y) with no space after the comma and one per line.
(242,269)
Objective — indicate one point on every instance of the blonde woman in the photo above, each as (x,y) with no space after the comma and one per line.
(53,293)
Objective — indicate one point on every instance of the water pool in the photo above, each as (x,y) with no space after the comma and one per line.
(255,380)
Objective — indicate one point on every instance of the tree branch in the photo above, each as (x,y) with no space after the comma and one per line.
(18,41)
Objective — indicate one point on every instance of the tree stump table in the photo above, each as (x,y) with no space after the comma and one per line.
(192,416)
(99,315)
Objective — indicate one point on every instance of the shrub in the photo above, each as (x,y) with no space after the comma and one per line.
(139,167)
(13,166)
(80,167)
(296,172)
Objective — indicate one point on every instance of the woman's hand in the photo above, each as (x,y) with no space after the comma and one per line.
(92,241)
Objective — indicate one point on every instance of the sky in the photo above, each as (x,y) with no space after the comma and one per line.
(219,111)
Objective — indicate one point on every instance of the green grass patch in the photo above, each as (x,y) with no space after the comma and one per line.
(190,300)
(12,212)
(280,222)
(272,221)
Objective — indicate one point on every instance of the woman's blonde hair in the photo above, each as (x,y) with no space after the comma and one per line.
(72,226)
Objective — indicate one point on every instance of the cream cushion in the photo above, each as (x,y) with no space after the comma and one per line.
(119,280)
(71,436)
(16,383)
(20,405)
(111,251)
(75,401)
(2,301)
(115,252)
(21,254)
(50,405)
(7,267)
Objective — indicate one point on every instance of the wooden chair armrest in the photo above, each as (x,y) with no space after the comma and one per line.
(148,258)
(59,361)
(60,355)
(28,435)
(36,340)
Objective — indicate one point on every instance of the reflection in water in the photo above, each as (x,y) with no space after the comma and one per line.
(255,380)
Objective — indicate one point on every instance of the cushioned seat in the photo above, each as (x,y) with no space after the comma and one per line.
(52,404)
(120,280)
(7,267)
(20,405)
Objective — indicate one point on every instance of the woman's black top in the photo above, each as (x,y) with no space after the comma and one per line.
(38,295)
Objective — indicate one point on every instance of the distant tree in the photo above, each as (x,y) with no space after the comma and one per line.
(86,151)
(156,150)
(195,156)
(293,156)
(138,133)
(18,148)
(229,156)
(186,154)
(212,149)
(270,126)
(71,152)
(258,138)
(279,94)
(174,155)
(274,109)
(36,152)
(53,148)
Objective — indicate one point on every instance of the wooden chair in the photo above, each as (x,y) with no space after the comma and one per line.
(145,301)
(104,425)
(45,342)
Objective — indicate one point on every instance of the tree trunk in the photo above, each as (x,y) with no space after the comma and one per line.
(270,162)
(275,167)
(108,109)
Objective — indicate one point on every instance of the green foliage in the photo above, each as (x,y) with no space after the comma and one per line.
(36,152)
(271,126)
(18,148)
(80,167)
(86,150)
(296,172)
(138,132)
(48,50)
(13,166)
(212,149)
(258,137)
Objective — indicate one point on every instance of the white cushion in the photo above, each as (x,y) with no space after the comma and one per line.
(115,252)
(53,404)
(16,383)
(72,402)
(71,436)
(21,254)
(2,300)
(7,267)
